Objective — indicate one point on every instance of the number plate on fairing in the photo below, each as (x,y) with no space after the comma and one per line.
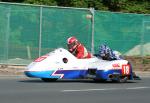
(126,69)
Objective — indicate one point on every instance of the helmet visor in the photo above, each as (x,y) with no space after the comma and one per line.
(71,46)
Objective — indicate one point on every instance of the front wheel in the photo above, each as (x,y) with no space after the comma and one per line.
(99,80)
(49,79)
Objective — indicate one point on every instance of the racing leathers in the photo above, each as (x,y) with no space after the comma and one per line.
(107,53)
(81,52)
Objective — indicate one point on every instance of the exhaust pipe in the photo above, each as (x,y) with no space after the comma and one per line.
(110,76)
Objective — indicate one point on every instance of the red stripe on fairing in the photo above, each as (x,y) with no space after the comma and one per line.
(41,58)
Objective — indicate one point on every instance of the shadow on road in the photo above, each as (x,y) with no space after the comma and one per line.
(72,81)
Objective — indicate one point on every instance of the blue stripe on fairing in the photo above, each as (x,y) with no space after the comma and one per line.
(68,74)
(39,74)
(71,74)
(103,74)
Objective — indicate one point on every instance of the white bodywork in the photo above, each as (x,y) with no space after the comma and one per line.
(54,61)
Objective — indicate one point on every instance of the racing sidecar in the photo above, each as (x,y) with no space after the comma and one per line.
(61,64)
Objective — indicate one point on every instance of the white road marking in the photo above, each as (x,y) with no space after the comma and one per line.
(89,90)
(138,88)
(104,89)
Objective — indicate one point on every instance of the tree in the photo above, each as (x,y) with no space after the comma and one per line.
(133,6)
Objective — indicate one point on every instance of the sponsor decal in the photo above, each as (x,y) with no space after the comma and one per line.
(117,65)
(41,58)
(57,62)
(60,68)
(75,67)
(57,75)
(126,69)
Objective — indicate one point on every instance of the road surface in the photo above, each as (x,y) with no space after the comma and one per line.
(28,90)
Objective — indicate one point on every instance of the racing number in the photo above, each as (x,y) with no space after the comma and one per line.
(125,69)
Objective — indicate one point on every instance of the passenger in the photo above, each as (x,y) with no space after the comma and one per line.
(77,49)
(118,55)
(106,53)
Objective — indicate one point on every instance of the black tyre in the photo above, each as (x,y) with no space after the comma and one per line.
(99,80)
(120,80)
(49,79)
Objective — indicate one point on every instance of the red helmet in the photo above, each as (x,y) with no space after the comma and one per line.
(72,43)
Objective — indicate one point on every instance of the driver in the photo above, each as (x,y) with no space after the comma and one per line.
(77,49)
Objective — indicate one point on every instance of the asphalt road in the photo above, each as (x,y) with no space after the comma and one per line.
(26,90)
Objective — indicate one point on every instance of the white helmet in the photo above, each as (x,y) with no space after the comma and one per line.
(118,55)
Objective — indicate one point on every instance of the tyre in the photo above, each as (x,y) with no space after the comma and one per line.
(99,80)
(120,80)
(49,79)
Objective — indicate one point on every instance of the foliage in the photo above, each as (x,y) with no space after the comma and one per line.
(132,6)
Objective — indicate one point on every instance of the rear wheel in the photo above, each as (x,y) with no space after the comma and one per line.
(120,80)
(49,79)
